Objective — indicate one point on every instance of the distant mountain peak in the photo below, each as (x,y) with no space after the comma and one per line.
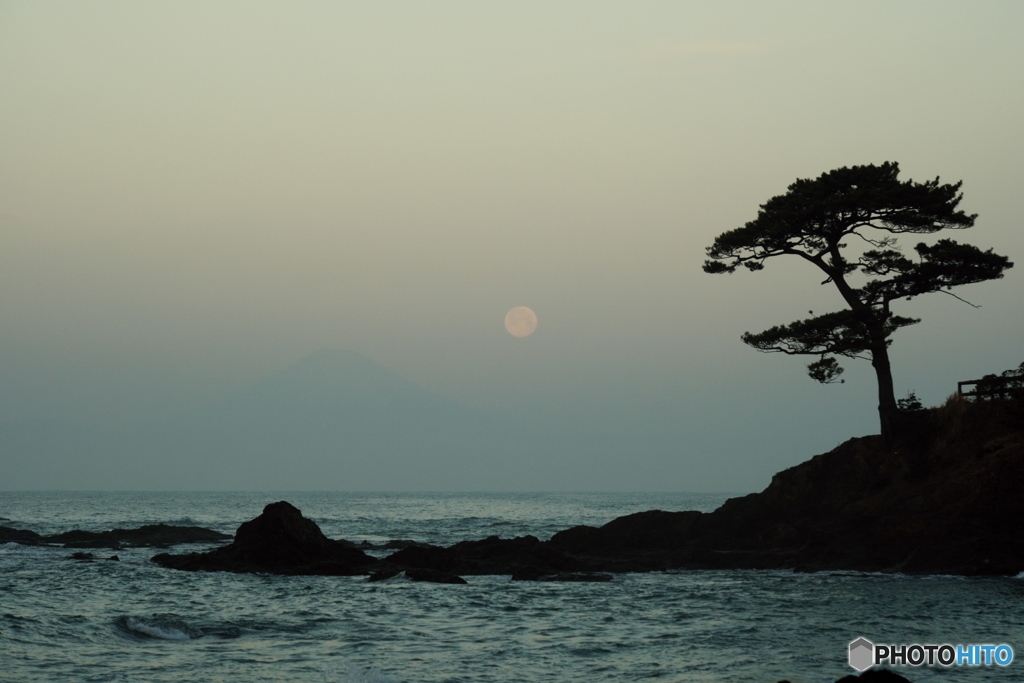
(342,368)
(331,360)
(334,357)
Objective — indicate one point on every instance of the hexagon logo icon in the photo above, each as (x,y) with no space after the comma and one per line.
(862,654)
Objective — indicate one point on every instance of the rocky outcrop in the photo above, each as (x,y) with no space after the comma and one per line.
(944,500)
(279,541)
(492,555)
(22,536)
(89,557)
(641,542)
(282,541)
(148,536)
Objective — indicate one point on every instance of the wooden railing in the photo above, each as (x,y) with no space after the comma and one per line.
(992,386)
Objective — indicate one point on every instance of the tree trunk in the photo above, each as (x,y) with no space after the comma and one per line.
(887,409)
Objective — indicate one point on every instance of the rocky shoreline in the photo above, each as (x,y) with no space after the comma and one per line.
(945,500)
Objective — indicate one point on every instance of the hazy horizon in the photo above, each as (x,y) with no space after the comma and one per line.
(195,197)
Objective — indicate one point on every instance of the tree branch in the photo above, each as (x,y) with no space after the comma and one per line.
(946,291)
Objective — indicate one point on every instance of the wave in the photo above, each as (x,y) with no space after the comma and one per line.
(400,577)
(160,627)
(183,521)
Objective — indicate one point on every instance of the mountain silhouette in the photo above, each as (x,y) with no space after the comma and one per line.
(334,412)
(330,394)
(334,420)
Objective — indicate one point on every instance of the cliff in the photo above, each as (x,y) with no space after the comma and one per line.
(945,500)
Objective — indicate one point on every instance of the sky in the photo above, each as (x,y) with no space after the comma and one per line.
(194,196)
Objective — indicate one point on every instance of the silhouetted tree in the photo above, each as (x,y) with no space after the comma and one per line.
(815,220)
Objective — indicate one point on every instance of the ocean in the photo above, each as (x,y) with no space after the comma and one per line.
(130,620)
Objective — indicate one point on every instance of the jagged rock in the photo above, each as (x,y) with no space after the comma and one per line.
(87,557)
(279,541)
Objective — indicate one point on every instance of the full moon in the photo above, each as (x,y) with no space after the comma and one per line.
(521,321)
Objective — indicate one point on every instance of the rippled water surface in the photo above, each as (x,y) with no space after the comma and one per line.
(65,620)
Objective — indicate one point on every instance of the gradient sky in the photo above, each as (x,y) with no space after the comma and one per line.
(195,195)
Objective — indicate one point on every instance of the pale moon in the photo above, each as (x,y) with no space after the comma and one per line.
(521,321)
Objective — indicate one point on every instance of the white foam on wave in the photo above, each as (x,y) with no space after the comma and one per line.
(353,674)
(184,521)
(155,631)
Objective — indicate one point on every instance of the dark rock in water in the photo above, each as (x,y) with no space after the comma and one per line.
(413,574)
(82,556)
(279,541)
(643,531)
(490,556)
(161,535)
(641,542)
(22,536)
(150,535)
(282,537)
(391,545)
(114,558)
(434,576)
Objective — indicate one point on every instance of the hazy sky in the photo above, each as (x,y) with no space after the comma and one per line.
(195,195)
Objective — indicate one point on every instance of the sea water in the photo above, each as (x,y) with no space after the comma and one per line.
(130,620)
